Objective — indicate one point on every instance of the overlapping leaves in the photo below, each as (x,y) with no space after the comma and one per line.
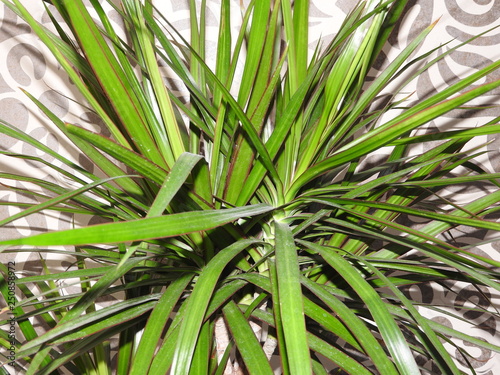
(252,207)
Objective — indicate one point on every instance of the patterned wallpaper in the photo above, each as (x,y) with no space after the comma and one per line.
(24,65)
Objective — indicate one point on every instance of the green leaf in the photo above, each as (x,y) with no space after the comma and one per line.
(338,357)
(89,298)
(452,134)
(99,320)
(291,307)
(172,184)
(446,218)
(391,333)
(198,302)
(156,324)
(431,338)
(250,349)
(60,53)
(100,161)
(402,124)
(54,201)
(112,79)
(358,328)
(169,137)
(130,158)
(142,229)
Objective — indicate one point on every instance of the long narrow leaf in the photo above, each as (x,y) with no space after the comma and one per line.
(142,229)
(198,303)
(291,308)
(156,324)
(393,337)
(112,79)
(246,342)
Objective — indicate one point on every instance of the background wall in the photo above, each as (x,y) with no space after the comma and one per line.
(24,65)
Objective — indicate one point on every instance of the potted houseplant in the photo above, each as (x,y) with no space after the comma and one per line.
(249,211)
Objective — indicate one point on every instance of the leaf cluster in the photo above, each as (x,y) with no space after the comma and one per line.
(254,203)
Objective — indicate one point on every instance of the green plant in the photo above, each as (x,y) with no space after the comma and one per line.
(258,208)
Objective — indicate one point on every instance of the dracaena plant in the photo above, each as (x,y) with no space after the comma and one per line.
(249,205)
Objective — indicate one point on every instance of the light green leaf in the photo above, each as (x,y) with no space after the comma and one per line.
(112,79)
(291,307)
(391,333)
(197,304)
(142,229)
